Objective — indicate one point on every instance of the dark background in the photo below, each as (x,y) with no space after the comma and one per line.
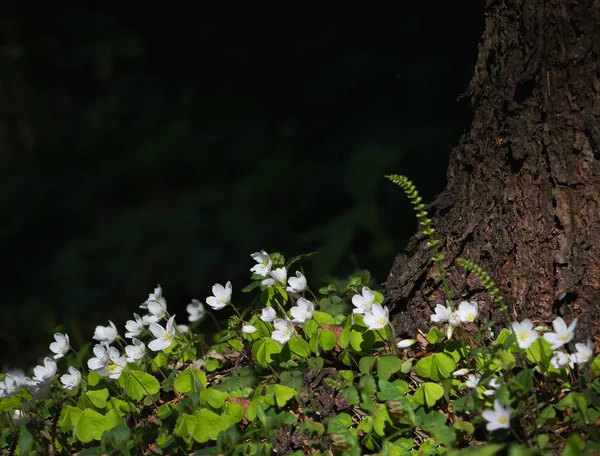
(165,144)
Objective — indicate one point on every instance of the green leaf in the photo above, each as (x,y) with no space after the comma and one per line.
(596,365)
(243,378)
(407,366)
(503,361)
(434,423)
(9,404)
(327,340)
(484,450)
(345,338)
(300,258)
(435,336)
(94,378)
(539,352)
(323,318)
(367,387)
(264,350)
(574,447)
(98,397)
(366,364)
(387,366)
(138,384)
(283,394)
(233,413)
(213,397)
(191,379)
(543,440)
(208,426)
(116,440)
(299,347)
(392,391)
(69,417)
(316,363)
(273,296)
(26,442)
(457,349)
(312,427)
(464,427)
(212,364)
(524,381)
(252,286)
(165,411)
(428,394)
(361,341)
(185,425)
(436,367)
(91,425)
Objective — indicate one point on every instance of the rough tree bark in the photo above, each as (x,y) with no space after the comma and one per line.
(523,192)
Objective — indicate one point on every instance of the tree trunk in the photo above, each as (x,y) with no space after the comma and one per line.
(523,192)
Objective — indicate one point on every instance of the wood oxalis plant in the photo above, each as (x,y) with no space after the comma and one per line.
(302,371)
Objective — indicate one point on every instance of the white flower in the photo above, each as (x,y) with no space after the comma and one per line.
(182,329)
(267,283)
(406,343)
(45,373)
(461,372)
(164,336)
(106,333)
(302,311)
(526,334)
(442,314)
(135,352)
(561,359)
(264,263)
(377,318)
(284,330)
(498,418)
(222,296)
(196,310)
(584,352)
(99,362)
(8,386)
(297,284)
(19,417)
(108,361)
(467,311)
(116,364)
(454,320)
(249,329)
(280,275)
(157,310)
(364,301)
(561,335)
(61,346)
(134,327)
(472,381)
(156,296)
(268,314)
(13,382)
(71,380)
(494,384)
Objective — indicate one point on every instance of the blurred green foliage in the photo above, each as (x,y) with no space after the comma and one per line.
(164,145)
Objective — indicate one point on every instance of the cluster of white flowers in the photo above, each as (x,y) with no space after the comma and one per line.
(43,375)
(467,313)
(526,334)
(109,362)
(562,335)
(376,316)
